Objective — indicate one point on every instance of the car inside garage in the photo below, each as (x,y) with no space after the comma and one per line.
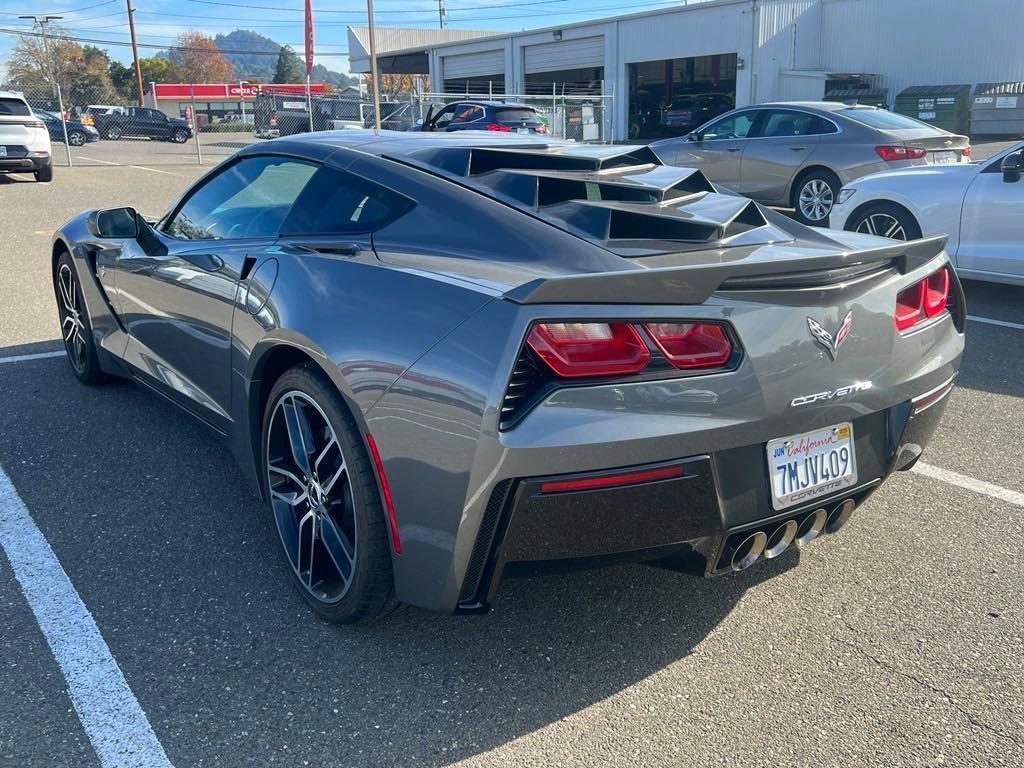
(671,97)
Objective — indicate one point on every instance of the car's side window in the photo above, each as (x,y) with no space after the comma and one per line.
(445,116)
(250,198)
(468,113)
(339,203)
(732,127)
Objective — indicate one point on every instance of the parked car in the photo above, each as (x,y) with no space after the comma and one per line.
(686,112)
(446,359)
(486,115)
(24,140)
(142,122)
(799,154)
(79,133)
(979,205)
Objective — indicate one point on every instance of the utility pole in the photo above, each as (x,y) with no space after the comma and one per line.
(374,73)
(135,51)
(42,21)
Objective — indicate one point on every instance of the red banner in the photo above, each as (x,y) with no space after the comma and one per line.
(309,36)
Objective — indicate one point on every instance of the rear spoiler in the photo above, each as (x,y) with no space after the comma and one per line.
(778,266)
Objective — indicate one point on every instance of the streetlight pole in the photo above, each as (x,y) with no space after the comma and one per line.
(42,21)
(373,67)
(241,97)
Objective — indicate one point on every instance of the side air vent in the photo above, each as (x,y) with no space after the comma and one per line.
(527,379)
(484,540)
(629,225)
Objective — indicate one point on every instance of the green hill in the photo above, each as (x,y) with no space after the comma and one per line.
(250,66)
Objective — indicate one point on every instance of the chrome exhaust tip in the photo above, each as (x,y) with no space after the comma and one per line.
(811,527)
(779,540)
(748,551)
(837,519)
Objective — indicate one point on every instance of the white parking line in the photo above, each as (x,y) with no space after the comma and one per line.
(1001,323)
(36,356)
(109,711)
(136,167)
(970,483)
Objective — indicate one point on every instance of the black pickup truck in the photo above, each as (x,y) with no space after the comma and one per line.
(145,122)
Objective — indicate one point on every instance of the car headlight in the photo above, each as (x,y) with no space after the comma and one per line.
(845,194)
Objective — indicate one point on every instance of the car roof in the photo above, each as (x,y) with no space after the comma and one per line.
(493,103)
(822,106)
(12,95)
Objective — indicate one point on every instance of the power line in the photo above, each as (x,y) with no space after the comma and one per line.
(329,10)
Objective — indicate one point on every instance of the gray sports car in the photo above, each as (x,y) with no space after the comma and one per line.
(448,359)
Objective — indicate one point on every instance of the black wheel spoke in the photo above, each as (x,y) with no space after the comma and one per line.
(340,549)
(299,436)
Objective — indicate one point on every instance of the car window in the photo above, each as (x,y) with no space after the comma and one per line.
(251,198)
(468,113)
(338,203)
(732,127)
(17,107)
(445,116)
(514,115)
(786,122)
(881,118)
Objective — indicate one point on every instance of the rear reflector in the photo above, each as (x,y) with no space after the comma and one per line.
(385,490)
(900,152)
(927,400)
(612,481)
(589,349)
(691,345)
(967,151)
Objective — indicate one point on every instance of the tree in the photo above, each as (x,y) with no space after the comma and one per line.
(123,79)
(391,86)
(81,72)
(289,68)
(195,58)
(155,70)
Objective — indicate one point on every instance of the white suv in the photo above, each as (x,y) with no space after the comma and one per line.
(24,139)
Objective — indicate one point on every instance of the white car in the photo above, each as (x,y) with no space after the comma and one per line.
(24,139)
(979,205)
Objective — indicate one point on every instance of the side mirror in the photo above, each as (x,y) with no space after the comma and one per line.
(1012,165)
(693,136)
(419,121)
(115,223)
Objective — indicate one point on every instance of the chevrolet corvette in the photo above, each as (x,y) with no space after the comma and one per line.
(448,359)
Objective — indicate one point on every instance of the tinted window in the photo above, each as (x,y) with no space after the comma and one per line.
(248,199)
(515,115)
(338,203)
(468,113)
(784,122)
(732,127)
(444,116)
(14,107)
(881,118)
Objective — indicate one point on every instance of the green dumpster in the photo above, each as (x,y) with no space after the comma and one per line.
(945,106)
(872,97)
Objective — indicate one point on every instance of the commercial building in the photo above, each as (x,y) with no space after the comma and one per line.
(216,101)
(739,52)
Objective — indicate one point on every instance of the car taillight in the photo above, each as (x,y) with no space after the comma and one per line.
(273,119)
(541,128)
(925,298)
(691,345)
(967,151)
(498,127)
(899,152)
(589,349)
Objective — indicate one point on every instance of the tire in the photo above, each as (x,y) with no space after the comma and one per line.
(885,220)
(180,136)
(76,330)
(44,174)
(814,193)
(77,138)
(337,505)
(113,133)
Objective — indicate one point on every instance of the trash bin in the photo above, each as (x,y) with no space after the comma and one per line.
(872,97)
(998,109)
(945,106)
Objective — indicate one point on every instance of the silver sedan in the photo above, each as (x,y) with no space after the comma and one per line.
(800,154)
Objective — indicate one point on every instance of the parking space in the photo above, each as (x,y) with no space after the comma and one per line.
(896,642)
(212,148)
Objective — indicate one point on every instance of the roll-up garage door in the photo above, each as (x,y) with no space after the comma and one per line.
(581,53)
(473,65)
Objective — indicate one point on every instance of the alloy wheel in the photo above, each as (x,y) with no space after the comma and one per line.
(311,496)
(883,225)
(71,323)
(114,134)
(76,139)
(816,200)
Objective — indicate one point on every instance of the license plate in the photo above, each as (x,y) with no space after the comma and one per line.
(943,158)
(3,151)
(812,465)
(522,130)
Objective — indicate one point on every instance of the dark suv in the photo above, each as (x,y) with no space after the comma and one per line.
(502,116)
(145,122)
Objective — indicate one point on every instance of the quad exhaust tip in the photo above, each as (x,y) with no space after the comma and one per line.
(780,539)
(749,551)
(811,527)
(838,517)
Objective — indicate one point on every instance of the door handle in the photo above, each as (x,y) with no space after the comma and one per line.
(339,249)
(798,149)
(205,261)
(734,149)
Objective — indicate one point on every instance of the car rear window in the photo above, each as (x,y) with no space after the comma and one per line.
(882,118)
(16,107)
(515,115)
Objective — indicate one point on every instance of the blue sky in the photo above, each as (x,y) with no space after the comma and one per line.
(158,22)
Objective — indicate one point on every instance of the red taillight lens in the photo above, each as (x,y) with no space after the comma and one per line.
(899,152)
(691,345)
(936,292)
(498,127)
(612,481)
(589,349)
(909,306)
(541,128)
(967,151)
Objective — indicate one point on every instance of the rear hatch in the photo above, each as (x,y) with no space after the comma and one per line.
(18,127)
(519,119)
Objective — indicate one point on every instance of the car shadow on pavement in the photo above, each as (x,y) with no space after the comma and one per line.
(179,564)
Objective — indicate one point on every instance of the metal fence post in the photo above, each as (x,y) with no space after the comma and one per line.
(64,124)
(195,120)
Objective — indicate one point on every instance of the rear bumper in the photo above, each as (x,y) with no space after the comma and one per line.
(694,522)
(23,164)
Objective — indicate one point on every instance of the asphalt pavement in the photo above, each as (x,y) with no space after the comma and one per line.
(897,642)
